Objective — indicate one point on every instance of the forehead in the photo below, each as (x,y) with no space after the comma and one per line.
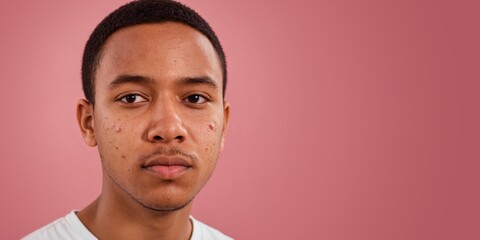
(160,51)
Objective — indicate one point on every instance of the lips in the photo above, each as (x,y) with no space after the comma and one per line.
(167,168)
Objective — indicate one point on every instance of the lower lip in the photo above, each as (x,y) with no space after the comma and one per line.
(168,172)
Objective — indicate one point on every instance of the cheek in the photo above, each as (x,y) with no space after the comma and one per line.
(113,137)
(111,128)
(211,136)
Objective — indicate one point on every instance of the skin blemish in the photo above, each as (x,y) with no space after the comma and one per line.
(118,129)
(211,126)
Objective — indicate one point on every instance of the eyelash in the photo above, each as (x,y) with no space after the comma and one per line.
(205,99)
(123,98)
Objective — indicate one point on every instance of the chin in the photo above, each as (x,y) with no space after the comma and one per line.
(165,204)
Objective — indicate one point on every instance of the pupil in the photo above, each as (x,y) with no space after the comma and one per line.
(194,98)
(130,98)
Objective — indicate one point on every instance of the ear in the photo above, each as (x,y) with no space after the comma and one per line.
(226,116)
(85,120)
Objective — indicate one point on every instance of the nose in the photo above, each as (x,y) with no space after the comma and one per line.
(166,124)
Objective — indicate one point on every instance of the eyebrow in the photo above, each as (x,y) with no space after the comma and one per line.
(203,80)
(122,79)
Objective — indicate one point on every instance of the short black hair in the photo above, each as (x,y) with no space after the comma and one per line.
(136,13)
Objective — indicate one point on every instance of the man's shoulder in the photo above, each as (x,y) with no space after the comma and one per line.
(67,227)
(203,231)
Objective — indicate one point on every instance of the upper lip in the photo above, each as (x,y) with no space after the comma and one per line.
(167,161)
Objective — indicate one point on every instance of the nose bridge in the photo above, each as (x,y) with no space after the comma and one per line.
(166,123)
(165,109)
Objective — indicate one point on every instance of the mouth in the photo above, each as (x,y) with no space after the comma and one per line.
(167,168)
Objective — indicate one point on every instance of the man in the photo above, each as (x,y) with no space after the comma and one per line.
(154,77)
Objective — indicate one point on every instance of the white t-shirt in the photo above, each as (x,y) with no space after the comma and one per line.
(71,228)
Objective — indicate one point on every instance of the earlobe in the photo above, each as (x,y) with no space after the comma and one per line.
(85,120)
(226,115)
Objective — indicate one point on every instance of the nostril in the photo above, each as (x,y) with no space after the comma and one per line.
(180,138)
(157,138)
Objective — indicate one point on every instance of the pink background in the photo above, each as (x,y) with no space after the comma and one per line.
(351,119)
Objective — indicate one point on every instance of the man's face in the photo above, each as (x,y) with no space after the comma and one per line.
(159,118)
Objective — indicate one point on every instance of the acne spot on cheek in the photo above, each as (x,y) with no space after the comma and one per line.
(211,126)
(113,126)
(118,129)
(123,156)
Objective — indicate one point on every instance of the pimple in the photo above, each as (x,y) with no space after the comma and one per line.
(118,129)
(211,126)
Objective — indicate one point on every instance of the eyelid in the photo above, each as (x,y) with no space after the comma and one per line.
(202,94)
(205,96)
(123,95)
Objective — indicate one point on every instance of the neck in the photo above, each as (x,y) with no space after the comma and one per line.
(113,216)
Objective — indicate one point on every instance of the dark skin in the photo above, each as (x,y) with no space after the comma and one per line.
(158,100)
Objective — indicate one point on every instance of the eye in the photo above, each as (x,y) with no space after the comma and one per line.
(132,98)
(196,99)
